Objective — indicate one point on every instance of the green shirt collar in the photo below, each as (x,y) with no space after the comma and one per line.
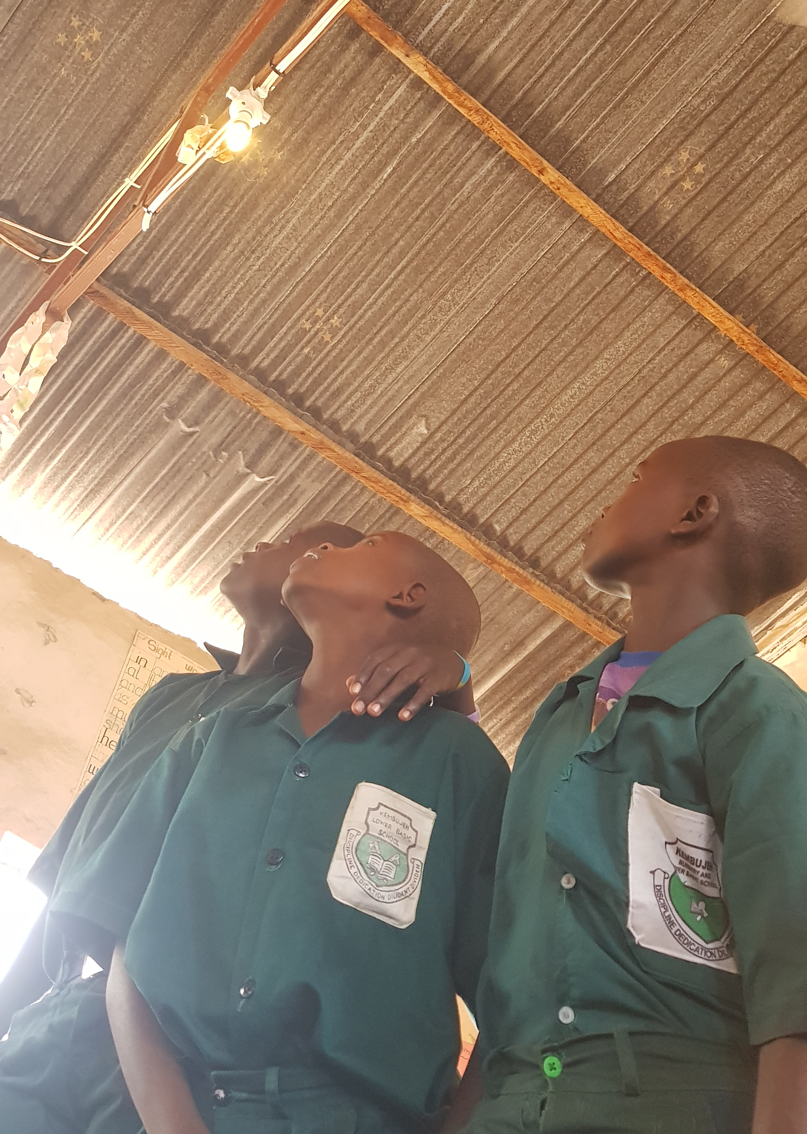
(689,672)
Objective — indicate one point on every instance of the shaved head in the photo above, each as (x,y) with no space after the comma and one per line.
(762,492)
(451,616)
(738,507)
(388,580)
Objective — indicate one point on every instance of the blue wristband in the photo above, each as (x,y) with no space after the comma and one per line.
(466,672)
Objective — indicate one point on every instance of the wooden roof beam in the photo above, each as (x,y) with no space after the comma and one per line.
(568,192)
(69,279)
(340,453)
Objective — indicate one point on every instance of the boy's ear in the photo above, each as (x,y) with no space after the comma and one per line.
(412,598)
(699,517)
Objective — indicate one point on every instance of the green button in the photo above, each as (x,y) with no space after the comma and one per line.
(552,1066)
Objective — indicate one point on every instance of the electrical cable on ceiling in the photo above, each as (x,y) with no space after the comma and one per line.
(97,219)
(246,112)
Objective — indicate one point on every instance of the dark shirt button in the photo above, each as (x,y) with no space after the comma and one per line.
(274,858)
(302,771)
(247,988)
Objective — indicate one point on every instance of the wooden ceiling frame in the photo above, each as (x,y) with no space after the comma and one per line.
(124,221)
(337,450)
(493,128)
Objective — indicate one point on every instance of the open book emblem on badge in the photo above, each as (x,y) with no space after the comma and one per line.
(378,862)
(383,850)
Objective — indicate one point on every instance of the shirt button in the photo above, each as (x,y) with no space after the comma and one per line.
(274,858)
(247,988)
(566,1014)
(568,881)
(302,771)
(552,1066)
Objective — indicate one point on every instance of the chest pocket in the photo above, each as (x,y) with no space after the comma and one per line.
(676,904)
(377,866)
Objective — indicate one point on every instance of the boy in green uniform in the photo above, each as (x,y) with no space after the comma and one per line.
(303,891)
(58,1068)
(648,953)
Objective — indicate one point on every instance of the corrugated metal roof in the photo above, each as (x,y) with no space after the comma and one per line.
(147,489)
(382,265)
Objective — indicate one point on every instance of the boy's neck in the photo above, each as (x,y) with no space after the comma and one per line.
(339,652)
(263,639)
(663,612)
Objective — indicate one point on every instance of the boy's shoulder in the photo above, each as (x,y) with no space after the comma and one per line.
(757,684)
(169,687)
(453,736)
(755,698)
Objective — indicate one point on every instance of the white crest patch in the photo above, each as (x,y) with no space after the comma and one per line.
(377,866)
(676,897)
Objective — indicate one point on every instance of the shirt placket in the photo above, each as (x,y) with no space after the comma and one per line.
(569,979)
(275,855)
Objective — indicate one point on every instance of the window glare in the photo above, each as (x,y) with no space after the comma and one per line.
(20,901)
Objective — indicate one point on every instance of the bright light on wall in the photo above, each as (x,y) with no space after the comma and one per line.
(20,902)
(137,585)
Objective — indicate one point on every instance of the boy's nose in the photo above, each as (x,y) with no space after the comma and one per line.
(325,547)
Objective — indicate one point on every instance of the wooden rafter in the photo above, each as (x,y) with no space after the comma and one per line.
(338,452)
(562,187)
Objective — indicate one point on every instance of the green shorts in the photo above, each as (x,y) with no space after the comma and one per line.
(285,1101)
(619,1084)
(59,1070)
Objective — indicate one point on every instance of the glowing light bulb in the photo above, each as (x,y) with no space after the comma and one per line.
(238,133)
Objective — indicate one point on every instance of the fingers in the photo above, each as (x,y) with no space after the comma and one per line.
(386,676)
(422,697)
(394,688)
(357,682)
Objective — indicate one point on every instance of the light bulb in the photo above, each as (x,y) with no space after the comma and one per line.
(237,134)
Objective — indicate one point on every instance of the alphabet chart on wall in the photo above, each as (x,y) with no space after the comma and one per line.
(147,662)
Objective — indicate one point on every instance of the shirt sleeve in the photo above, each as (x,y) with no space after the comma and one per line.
(108,880)
(757,781)
(45,871)
(478,844)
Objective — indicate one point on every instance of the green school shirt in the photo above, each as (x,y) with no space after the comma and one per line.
(290,900)
(175,703)
(652,874)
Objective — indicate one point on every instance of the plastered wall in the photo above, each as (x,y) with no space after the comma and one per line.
(61,650)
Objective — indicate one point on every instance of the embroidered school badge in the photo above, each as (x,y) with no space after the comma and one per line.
(377,866)
(676,901)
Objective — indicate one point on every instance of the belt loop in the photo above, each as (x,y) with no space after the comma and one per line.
(627,1063)
(271,1083)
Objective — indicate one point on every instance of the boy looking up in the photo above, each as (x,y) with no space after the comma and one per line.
(54,1073)
(58,1067)
(649,934)
(303,892)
